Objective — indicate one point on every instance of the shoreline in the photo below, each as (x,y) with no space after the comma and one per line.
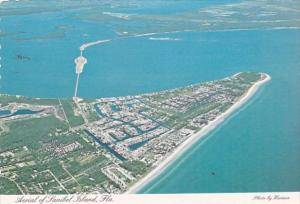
(195,137)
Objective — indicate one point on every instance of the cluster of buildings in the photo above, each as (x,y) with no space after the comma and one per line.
(118,175)
(145,128)
(59,150)
(140,128)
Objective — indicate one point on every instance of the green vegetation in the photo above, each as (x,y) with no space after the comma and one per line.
(79,162)
(249,77)
(8,187)
(135,167)
(73,119)
(92,115)
(42,155)
(91,178)
(5,99)
(57,169)
(180,119)
(30,132)
(42,171)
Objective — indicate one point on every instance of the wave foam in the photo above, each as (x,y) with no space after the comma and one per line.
(165,39)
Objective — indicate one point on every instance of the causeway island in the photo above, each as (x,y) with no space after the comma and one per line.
(109,145)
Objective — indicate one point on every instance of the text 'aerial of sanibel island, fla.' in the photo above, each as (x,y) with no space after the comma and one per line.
(131,96)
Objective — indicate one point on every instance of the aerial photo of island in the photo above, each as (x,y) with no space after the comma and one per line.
(147,97)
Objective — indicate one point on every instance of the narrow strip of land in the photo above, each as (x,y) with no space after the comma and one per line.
(190,141)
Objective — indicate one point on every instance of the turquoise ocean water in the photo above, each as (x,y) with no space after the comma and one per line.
(257,149)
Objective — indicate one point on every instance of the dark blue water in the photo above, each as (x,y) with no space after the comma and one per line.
(137,145)
(256,150)
(7,113)
(115,108)
(106,146)
(99,112)
(4,112)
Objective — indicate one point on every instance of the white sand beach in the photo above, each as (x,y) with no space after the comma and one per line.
(195,137)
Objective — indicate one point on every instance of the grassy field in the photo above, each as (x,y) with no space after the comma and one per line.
(92,116)
(249,77)
(30,132)
(68,107)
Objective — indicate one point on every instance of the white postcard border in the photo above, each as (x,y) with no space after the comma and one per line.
(206,198)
